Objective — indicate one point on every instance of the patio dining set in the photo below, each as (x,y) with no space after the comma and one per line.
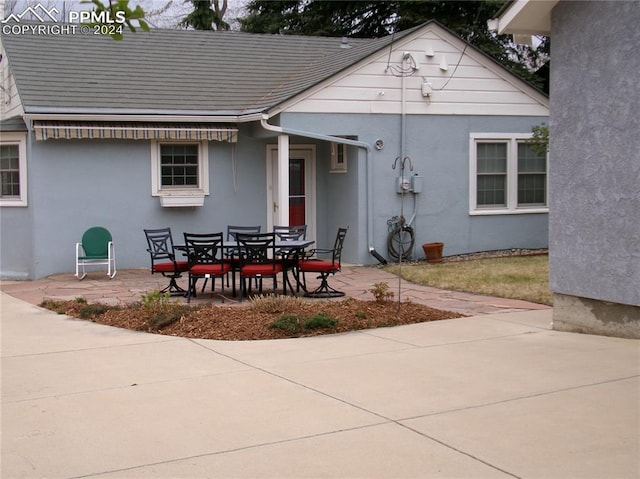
(245,256)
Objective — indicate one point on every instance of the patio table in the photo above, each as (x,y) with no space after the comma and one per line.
(293,249)
(290,250)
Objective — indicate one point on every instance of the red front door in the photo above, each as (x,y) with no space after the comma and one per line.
(297,195)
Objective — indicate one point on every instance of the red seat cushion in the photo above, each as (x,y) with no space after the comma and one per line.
(318,265)
(261,269)
(169,268)
(216,269)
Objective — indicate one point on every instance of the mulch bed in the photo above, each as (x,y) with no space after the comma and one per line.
(249,323)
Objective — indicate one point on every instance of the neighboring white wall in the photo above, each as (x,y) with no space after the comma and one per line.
(472,84)
(10,104)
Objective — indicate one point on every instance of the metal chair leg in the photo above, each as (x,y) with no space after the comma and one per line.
(324,290)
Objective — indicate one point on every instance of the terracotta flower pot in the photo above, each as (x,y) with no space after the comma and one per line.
(433,252)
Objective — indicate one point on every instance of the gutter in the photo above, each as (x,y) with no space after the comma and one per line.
(345,141)
(144,116)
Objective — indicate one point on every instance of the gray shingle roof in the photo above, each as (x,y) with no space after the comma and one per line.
(15,123)
(173,70)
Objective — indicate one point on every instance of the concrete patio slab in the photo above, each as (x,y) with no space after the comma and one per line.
(495,395)
(589,431)
(384,450)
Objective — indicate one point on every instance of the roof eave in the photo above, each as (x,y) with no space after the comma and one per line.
(12,124)
(527,17)
(92,114)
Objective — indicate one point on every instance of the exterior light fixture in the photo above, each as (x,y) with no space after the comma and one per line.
(428,51)
(443,64)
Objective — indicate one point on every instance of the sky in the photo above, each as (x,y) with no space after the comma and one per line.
(160,13)
(178,9)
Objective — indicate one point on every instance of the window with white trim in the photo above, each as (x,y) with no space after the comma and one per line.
(506,175)
(338,158)
(13,169)
(180,172)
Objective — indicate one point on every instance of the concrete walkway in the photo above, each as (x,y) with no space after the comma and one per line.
(496,395)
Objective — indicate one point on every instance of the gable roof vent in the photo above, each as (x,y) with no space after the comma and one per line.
(345,43)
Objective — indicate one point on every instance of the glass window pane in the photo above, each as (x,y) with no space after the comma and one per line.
(532,177)
(179,165)
(10,163)
(10,183)
(532,190)
(492,157)
(8,151)
(296,177)
(9,170)
(491,190)
(341,154)
(530,161)
(492,174)
(191,175)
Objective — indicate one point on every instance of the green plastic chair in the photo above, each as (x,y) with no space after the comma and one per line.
(96,248)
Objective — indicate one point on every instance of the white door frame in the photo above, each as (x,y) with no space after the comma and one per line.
(275,177)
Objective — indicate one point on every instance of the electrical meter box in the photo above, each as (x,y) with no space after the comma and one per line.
(416,184)
(411,184)
(403,184)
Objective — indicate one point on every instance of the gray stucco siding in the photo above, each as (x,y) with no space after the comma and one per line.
(16,246)
(344,204)
(438,147)
(79,184)
(76,184)
(595,221)
(16,231)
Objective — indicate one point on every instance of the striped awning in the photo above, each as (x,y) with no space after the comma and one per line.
(46,130)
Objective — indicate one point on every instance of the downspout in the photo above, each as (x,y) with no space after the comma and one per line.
(403,109)
(345,141)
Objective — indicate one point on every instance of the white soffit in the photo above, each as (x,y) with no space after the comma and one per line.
(531,17)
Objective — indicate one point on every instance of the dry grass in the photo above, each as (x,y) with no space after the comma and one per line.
(515,277)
